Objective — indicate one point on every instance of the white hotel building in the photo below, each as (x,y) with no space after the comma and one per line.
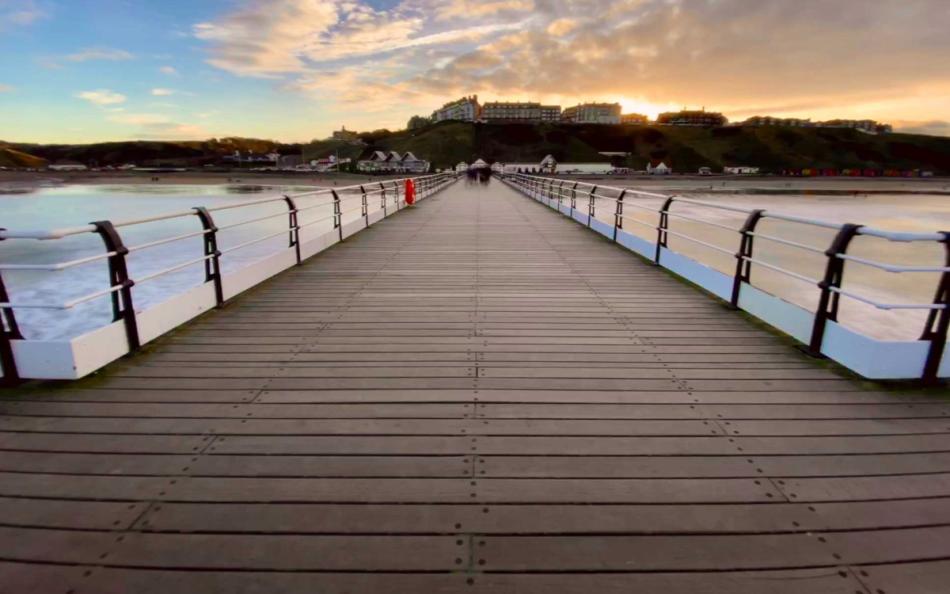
(465,109)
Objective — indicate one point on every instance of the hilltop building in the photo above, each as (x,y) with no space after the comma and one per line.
(503,111)
(592,113)
(758,121)
(867,126)
(692,118)
(634,119)
(346,135)
(465,109)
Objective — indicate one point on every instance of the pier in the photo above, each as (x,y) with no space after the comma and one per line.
(475,394)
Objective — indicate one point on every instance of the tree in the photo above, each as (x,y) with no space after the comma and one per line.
(416,122)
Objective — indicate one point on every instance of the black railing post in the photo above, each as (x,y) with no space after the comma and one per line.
(743,265)
(618,214)
(938,320)
(337,213)
(212,254)
(574,198)
(122,305)
(365,205)
(382,198)
(590,205)
(834,275)
(560,195)
(9,331)
(661,229)
(396,190)
(292,226)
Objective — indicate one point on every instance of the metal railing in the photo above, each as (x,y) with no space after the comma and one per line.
(340,201)
(829,286)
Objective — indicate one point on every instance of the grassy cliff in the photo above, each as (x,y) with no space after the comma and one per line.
(688,149)
(447,143)
(13,158)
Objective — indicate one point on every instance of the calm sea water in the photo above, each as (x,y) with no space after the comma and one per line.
(903,206)
(68,206)
(896,205)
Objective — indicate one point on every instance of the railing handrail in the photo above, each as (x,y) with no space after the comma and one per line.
(116,252)
(60,233)
(938,319)
(898,236)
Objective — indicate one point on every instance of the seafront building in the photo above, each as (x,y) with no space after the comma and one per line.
(688,117)
(526,112)
(866,126)
(392,162)
(592,113)
(468,109)
(465,109)
(759,121)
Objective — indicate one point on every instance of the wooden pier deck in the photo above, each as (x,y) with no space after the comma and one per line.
(476,395)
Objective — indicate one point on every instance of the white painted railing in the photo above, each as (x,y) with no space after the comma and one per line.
(926,358)
(23,358)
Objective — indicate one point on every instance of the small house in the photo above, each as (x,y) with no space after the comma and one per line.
(658,167)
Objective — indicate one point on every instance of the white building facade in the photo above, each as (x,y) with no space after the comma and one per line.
(465,109)
(592,113)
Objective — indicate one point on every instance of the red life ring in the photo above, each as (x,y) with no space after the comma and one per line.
(410,192)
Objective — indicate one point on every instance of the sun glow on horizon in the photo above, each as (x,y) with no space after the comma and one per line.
(651,110)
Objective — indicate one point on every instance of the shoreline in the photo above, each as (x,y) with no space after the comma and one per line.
(26,179)
(14,182)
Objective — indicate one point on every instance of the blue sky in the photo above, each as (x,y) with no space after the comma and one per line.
(95,70)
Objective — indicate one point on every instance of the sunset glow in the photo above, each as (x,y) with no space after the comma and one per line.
(111,70)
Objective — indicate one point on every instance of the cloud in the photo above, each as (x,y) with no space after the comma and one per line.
(102,97)
(99,53)
(713,52)
(467,9)
(769,56)
(931,127)
(291,36)
(168,70)
(20,13)
(162,92)
(6,88)
(264,39)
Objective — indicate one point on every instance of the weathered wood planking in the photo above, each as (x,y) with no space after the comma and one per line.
(473,396)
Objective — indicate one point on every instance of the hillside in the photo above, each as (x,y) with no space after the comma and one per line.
(13,158)
(446,143)
(153,153)
(770,148)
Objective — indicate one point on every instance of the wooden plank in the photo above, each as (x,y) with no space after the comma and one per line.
(705,552)
(328,432)
(285,552)
(480,518)
(223,465)
(75,515)
(254,426)
(930,577)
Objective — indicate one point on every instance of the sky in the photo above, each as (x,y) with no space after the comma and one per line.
(294,70)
